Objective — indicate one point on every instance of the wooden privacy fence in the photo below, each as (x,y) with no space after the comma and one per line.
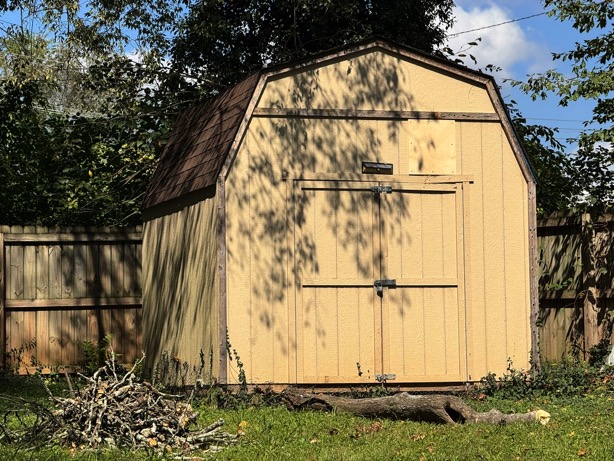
(60,287)
(576,258)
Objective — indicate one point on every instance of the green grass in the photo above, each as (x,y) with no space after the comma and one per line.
(581,428)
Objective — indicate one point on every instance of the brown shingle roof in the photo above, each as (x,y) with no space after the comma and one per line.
(199,144)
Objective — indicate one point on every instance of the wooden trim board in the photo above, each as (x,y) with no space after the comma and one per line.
(125,301)
(72,238)
(274,112)
(221,261)
(2,305)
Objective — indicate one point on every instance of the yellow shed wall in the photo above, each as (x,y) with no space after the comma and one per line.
(261,312)
(259,228)
(498,303)
(375,81)
(181,290)
(258,261)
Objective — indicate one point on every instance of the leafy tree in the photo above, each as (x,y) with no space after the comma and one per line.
(592,78)
(556,188)
(88,89)
(79,123)
(220,42)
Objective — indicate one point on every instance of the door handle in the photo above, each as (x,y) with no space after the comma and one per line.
(380,284)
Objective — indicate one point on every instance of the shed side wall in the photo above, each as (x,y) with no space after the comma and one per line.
(498,278)
(258,263)
(180,291)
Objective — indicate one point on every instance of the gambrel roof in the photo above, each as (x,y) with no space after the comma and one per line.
(204,136)
(199,144)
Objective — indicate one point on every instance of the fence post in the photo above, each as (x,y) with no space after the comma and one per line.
(591,254)
(2,306)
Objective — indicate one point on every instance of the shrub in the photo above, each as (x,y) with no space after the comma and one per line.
(569,377)
(94,354)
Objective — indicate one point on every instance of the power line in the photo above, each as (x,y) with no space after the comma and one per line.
(496,25)
(554,119)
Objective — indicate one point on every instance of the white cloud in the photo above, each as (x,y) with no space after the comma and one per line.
(506,46)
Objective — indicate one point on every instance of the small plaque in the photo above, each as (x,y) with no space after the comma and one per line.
(377,168)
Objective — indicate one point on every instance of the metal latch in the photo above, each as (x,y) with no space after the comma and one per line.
(381,190)
(385,377)
(380,284)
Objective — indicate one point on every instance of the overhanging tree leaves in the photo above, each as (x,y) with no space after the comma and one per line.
(592,78)
(556,189)
(221,42)
(89,89)
(81,122)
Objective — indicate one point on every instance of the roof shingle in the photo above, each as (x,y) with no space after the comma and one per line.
(199,144)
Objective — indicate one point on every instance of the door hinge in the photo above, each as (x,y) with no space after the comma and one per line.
(380,284)
(381,190)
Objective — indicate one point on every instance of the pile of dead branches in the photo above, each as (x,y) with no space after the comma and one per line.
(115,409)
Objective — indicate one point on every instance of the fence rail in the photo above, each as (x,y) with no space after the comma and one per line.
(60,287)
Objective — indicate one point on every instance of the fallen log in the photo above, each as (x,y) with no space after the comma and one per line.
(437,408)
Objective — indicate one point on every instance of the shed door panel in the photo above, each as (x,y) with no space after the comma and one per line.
(347,237)
(423,318)
(336,308)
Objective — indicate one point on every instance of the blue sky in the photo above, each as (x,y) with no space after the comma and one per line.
(521,48)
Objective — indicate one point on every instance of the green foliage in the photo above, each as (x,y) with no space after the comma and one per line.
(514,384)
(78,154)
(220,42)
(14,358)
(88,90)
(241,371)
(173,374)
(592,78)
(566,378)
(80,123)
(556,187)
(94,354)
(570,376)
(599,352)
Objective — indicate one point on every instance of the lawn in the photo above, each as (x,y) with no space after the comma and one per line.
(581,428)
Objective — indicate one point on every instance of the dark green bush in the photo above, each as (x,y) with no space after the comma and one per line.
(566,378)
(570,376)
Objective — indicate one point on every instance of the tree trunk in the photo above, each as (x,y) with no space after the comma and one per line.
(443,409)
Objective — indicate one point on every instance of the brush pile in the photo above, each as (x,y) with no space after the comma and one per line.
(117,410)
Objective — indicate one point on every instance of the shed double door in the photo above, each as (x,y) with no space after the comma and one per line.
(407,238)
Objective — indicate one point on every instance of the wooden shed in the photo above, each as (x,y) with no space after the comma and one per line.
(365,214)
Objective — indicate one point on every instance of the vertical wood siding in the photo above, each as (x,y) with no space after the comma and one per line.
(66,286)
(576,255)
(282,330)
(300,262)
(498,278)
(259,266)
(180,292)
